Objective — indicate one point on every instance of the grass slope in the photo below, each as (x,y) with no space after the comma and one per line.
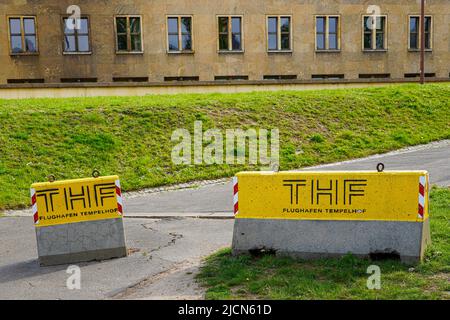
(130,136)
(270,277)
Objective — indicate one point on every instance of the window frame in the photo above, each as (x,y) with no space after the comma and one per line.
(419,35)
(327,33)
(180,34)
(22,34)
(291,32)
(76,37)
(230,33)
(374,34)
(128,51)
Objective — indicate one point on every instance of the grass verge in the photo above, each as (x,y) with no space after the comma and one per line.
(131,136)
(270,277)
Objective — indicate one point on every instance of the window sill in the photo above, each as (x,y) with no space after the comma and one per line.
(77,53)
(130,52)
(24,54)
(181,52)
(329,51)
(374,50)
(279,51)
(230,51)
(418,50)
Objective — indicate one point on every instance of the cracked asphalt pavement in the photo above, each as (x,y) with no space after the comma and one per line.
(167,234)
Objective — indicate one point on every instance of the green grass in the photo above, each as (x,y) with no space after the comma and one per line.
(270,277)
(130,136)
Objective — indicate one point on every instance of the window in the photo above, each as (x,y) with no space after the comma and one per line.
(280,77)
(129,34)
(23,35)
(130,79)
(327,76)
(179,34)
(230,33)
(414,33)
(279,35)
(78,80)
(374,75)
(374,37)
(230,78)
(76,35)
(327,33)
(182,78)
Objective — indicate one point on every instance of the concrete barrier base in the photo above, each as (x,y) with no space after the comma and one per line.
(314,239)
(81,242)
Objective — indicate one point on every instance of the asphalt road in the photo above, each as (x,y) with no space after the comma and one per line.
(216,200)
(166,242)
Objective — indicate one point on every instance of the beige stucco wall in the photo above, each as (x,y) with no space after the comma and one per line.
(206,63)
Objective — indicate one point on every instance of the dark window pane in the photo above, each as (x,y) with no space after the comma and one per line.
(28,26)
(122,43)
(272,25)
(135,25)
(413,24)
(273,45)
(185,25)
(223,42)
(333,25)
(69,26)
(14,25)
(173,43)
(380,23)
(30,43)
(320,24)
(173,25)
(332,42)
(427,41)
(427,24)
(83,26)
(69,43)
(368,24)
(413,41)
(321,41)
(83,43)
(285,42)
(236,25)
(367,41)
(380,40)
(186,42)
(121,25)
(16,44)
(236,42)
(223,24)
(285,24)
(136,44)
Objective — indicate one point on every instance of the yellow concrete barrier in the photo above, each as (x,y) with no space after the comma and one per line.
(78,220)
(330,214)
(388,196)
(77,200)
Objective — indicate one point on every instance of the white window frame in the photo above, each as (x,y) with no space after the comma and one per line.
(374,34)
(419,33)
(180,41)
(291,32)
(230,36)
(128,16)
(327,47)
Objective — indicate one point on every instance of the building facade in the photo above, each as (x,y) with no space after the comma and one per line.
(53,41)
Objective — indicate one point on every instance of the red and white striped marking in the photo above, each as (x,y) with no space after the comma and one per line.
(422,184)
(119,197)
(235,195)
(34,206)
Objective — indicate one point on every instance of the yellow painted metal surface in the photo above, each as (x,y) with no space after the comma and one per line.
(362,195)
(73,201)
